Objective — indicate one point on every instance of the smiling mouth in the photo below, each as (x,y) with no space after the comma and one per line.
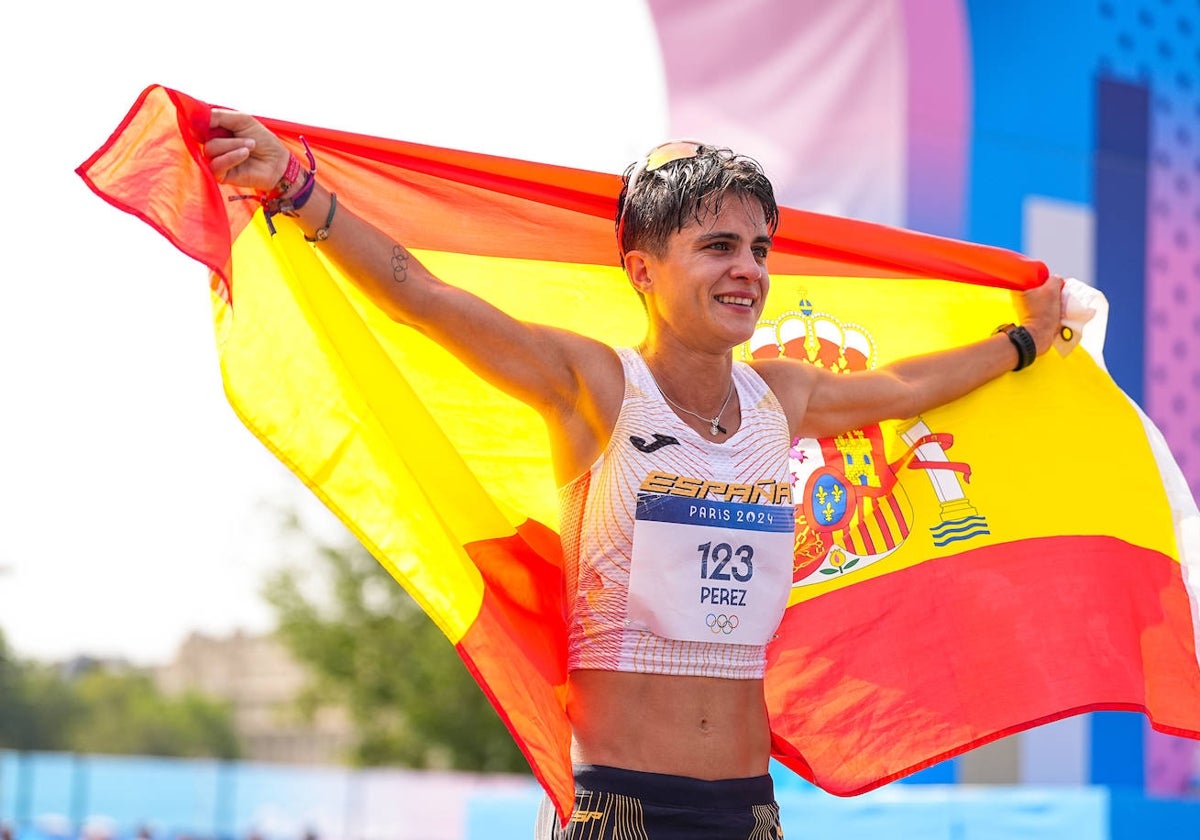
(736,300)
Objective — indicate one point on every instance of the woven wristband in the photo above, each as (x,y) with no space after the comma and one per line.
(288,178)
(273,202)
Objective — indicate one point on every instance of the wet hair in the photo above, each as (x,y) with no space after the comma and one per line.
(680,192)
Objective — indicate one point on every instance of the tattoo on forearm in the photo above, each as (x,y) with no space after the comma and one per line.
(399,264)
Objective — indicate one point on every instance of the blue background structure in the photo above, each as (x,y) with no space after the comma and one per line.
(1097,105)
(208,800)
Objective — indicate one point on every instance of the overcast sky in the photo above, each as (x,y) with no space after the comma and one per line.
(134,507)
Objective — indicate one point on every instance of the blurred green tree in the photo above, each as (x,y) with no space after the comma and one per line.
(35,704)
(124,713)
(102,710)
(375,652)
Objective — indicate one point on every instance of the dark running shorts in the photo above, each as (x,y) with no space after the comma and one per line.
(615,804)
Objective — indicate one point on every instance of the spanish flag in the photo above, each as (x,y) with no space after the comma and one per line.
(1018,556)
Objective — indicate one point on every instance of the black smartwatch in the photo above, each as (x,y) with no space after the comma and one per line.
(1023,341)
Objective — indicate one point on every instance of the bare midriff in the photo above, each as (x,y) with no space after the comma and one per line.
(700,727)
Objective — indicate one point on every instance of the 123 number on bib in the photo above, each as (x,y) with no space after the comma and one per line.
(723,562)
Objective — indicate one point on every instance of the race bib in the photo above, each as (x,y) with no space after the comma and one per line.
(710,571)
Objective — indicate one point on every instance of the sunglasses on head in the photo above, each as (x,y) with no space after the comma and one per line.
(656,158)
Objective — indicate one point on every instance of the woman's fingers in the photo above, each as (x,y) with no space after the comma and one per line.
(223,162)
(242,151)
(234,122)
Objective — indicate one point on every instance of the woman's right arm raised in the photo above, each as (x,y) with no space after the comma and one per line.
(539,365)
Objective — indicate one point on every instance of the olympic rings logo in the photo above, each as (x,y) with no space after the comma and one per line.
(722,623)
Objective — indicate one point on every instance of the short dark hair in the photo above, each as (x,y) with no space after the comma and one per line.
(668,198)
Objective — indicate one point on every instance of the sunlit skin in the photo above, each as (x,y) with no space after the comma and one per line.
(704,295)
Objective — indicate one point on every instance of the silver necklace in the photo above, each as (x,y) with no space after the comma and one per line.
(714,422)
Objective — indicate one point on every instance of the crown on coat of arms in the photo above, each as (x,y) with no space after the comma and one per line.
(819,338)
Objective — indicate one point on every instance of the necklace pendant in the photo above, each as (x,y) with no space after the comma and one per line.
(714,428)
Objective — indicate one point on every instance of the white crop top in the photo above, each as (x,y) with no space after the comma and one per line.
(663,494)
